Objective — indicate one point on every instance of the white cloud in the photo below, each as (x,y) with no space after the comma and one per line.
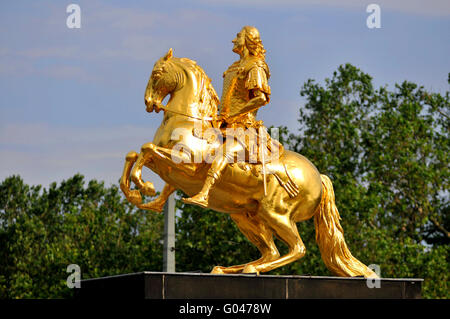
(420,7)
(49,52)
(42,154)
(108,32)
(127,19)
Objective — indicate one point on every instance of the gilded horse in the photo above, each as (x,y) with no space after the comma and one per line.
(240,192)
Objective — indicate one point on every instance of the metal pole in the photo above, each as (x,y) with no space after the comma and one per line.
(169,235)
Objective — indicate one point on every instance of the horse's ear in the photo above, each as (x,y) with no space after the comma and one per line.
(169,54)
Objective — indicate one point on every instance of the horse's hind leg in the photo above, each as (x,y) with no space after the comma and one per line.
(258,234)
(286,230)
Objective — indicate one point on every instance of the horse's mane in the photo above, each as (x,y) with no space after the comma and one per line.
(208,99)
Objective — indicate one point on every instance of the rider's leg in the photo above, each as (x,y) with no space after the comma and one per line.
(225,155)
(214,174)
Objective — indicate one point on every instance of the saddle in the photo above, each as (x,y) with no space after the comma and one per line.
(274,151)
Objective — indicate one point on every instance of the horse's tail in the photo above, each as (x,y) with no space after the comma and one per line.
(330,237)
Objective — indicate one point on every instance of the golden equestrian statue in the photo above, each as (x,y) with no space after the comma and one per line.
(227,162)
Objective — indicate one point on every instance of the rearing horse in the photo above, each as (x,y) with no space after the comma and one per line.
(240,191)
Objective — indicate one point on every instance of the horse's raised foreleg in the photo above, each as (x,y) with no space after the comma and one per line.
(157,205)
(148,152)
(146,188)
(260,235)
(180,160)
(132,195)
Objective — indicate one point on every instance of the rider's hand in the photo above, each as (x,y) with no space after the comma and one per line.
(222,118)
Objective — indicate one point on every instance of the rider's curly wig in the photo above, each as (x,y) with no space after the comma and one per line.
(253,41)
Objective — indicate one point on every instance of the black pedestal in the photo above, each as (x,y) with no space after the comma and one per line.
(157,285)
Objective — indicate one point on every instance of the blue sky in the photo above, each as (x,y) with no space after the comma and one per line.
(71,100)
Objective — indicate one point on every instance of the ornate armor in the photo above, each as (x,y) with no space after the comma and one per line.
(239,80)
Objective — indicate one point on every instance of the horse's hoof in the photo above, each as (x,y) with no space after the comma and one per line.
(195,201)
(218,270)
(131,156)
(148,189)
(250,269)
(135,197)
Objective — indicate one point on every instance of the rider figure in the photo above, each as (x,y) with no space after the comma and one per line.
(245,90)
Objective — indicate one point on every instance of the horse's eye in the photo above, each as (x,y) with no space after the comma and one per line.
(156,74)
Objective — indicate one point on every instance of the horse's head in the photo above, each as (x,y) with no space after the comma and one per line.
(187,84)
(161,83)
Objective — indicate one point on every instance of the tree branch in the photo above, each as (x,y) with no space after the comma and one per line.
(440,227)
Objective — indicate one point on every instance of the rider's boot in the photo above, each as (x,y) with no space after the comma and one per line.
(214,174)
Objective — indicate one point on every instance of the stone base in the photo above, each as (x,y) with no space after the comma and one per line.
(158,285)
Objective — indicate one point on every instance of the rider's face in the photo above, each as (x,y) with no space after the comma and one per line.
(239,43)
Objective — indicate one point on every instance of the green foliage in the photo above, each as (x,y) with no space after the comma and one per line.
(43,231)
(387,155)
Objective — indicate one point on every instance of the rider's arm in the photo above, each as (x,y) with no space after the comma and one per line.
(258,87)
(258,99)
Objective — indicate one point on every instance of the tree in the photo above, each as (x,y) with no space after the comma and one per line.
(387,154)
(43,231)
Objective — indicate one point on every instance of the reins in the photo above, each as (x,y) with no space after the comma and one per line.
(206,118)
